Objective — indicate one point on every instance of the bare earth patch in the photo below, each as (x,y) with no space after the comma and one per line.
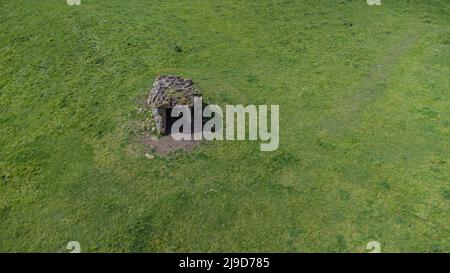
(166,144)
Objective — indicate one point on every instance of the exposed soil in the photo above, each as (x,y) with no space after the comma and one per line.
(166,144)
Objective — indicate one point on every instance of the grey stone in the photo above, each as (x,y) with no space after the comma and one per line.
(167,92)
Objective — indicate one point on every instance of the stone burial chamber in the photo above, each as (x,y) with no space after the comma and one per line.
(167,92)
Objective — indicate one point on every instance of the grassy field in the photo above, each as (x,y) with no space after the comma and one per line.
(364,96)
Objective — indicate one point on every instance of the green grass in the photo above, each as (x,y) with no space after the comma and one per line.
(364,115)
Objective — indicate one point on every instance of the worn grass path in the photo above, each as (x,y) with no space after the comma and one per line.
(371,87)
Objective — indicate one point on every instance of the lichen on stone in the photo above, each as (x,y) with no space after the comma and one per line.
(169,91)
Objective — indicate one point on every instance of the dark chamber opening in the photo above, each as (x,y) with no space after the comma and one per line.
(171,120)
